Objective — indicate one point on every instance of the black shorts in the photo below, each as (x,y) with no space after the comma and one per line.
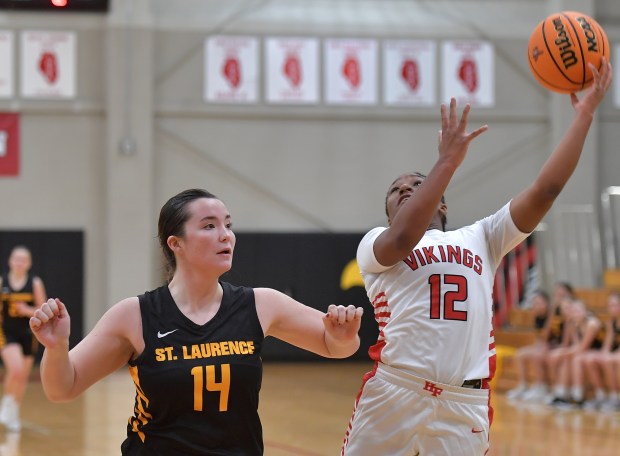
(25,338)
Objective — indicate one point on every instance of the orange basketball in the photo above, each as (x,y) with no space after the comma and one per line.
(560,48)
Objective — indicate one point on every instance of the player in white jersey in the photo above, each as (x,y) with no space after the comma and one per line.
(432,295)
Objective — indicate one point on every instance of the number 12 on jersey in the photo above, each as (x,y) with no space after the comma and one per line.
(436,281)
(204,378)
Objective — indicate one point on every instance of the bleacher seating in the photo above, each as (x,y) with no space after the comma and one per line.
(520,332)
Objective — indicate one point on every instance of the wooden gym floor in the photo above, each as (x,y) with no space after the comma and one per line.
(305,409)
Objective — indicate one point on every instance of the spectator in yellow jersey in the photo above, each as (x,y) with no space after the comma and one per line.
(602,367)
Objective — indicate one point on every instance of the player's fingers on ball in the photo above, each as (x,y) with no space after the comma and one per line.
(359,312)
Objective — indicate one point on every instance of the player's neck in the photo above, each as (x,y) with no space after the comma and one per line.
(17,280)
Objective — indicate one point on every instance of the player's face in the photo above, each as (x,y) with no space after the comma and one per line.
(209,240)
(578,311)
(20,261)
(539,305)
(400,191)
(560,292)
(613,305)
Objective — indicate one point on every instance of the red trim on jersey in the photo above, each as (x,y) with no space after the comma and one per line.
(382,317)
(375,351)
(365,379)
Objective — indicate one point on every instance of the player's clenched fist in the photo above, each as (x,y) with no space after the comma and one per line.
(51,323)
(343,323)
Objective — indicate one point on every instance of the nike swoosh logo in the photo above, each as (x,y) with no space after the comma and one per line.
(160,334)
(476,431)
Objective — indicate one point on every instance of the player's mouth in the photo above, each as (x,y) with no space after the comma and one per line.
(403,198)
(225,252)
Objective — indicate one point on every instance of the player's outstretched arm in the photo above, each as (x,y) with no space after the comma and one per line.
(412,220)
(66,374)
(530,206)
(333,334)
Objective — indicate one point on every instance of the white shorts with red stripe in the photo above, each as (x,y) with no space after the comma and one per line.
(398,414)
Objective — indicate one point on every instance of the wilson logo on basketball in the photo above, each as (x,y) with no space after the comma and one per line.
(410,74)
(564,45)
(560,48)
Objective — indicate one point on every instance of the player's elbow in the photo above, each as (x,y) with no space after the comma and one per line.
(58,397)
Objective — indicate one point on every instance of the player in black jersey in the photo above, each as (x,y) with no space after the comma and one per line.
(193,345)
(533,356)
(21,293)
(568,389)
(605,362)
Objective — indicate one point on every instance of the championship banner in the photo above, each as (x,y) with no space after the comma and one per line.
(231,69)
(292,70)
(48,64)
(350,71)
(468,73)
(9,144)
(6,64)
(409,72)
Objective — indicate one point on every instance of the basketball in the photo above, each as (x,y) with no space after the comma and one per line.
(560,48)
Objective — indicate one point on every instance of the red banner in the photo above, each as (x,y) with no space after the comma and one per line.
(9,144)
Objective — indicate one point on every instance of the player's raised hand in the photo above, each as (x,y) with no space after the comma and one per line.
(453,137)
(51,324)
(594,94)
(343,323)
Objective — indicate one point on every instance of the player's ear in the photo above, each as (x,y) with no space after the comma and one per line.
(173,243)
(443,208)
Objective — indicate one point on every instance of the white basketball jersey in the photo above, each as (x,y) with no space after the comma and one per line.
(435,308)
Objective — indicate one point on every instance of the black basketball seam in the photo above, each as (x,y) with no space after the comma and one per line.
(583,57)
(600,35)
(544,35)
(549,83)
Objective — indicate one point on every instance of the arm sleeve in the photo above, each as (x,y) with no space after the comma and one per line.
(501,233)
(366,259)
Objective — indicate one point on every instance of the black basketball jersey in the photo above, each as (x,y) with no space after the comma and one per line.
(197,386)
(11,320)
(556,330)
(615,326)
(539,322)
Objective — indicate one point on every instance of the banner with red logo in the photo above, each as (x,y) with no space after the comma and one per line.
(9,144)
(350,71)
(231,69)
(6,64)
(409,72)
(48,64)
(468,72)
(292,70)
